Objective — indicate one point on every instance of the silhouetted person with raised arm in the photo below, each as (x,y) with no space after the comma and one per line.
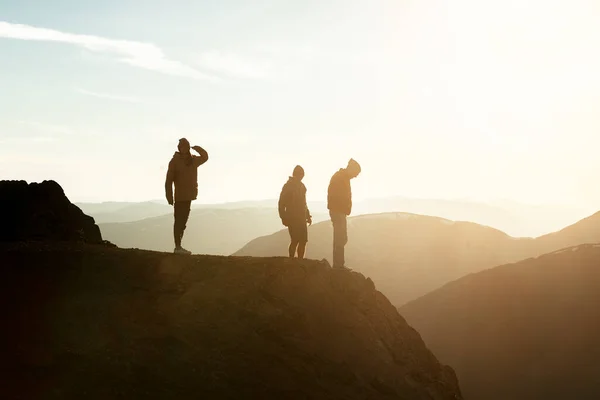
(183,172)
(339,203)
(294,212)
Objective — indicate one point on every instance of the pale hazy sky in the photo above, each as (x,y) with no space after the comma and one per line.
(439,98)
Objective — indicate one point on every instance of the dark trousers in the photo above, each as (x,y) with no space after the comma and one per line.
(340,237)
(182,213)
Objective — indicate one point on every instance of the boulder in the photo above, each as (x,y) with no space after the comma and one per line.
(42,211)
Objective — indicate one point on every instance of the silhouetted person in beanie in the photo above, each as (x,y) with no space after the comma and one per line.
(183,172)
(294,212)
(339,203)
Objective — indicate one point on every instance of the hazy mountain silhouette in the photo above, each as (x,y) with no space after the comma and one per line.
(111,212)
(108,206)
(521,331)
(125,212)
(90,322)
(209,231)
(409,255)
(511,217)
(316,206)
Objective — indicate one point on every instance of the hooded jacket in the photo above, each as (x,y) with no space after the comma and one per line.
(183,172)
(292,202)
(339,193)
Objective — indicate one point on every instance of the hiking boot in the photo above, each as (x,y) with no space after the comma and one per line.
(181,250)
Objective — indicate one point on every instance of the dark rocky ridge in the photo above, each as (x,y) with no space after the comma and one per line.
(91,322)
(41,211)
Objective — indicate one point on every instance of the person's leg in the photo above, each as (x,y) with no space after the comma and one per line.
(340,238)
(301,250)
(302,239)
(292,249)
(293,241)
(177,224)
(185,215)
(182,213)
(343,239)
(335,223)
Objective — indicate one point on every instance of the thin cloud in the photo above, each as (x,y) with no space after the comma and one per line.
(143,55)
(108,96)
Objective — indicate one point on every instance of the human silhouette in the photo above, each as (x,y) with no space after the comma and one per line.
(294,212)
(339,203)
(183,172)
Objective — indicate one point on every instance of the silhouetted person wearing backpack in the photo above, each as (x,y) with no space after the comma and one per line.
(294,212)
(183,172)
(339,203)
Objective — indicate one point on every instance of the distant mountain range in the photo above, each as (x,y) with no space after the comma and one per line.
(125,212)
(111,212)
(521,331)
(410,255)
(516,219)
(513,218)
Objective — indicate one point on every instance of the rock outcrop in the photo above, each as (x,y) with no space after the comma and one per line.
(520,331)
(41,211)
(89,322)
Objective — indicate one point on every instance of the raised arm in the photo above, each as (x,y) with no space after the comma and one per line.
(199,160)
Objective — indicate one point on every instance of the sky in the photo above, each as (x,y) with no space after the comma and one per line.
(453,99)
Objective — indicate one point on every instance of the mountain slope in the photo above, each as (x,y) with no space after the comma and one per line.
(406,255)
(585,231)
(131,212)
(99,323)
(510,217)
(521,331)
